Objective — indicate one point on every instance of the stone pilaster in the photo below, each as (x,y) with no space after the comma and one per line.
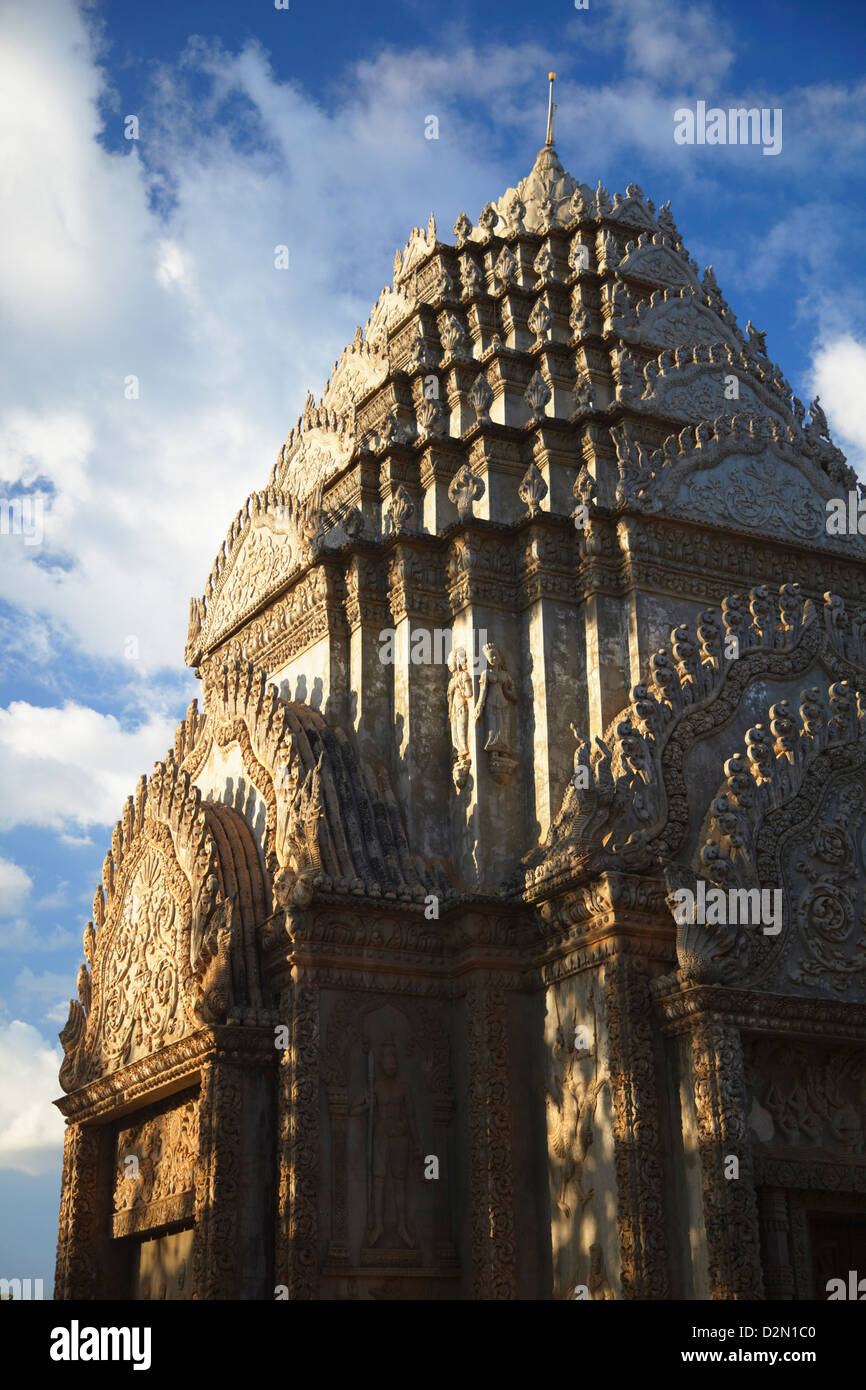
(302,1157)
(231,1257)
(776,1241)
(636,1130)
(490,1142)
(83,1197)
(730,1207)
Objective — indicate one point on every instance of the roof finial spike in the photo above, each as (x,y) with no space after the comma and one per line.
(551,112)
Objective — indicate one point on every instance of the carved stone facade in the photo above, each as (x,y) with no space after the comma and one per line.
(495,927)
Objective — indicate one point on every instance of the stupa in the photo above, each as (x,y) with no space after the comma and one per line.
(533,651)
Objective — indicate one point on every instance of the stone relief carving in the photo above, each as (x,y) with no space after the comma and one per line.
(273,534)
(765,793)
(537,395)
(401,511)
(460,696)
(758,494)
(571,1105)
(164,1148)
(386,1071)
(533,490)
(814,1096)
(465,488)
(141,983)
(653,257)
(673,317)
(762,474)
(497,691)
(628,801)
(392,1137)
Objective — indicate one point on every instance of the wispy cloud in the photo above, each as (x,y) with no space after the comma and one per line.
(31,1128)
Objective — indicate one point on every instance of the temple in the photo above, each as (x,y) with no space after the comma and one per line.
(494,927)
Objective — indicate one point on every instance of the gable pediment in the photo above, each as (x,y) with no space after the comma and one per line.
(271,537)
(672,320)
(655,259)
(701,389)
(763,492)
(168,948)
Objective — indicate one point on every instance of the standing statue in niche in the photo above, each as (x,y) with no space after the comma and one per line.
(459,701)
(497,692)
(392,1135)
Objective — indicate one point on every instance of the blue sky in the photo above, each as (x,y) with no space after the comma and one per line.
(154,258)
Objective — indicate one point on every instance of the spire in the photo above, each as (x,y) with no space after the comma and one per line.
(551,112)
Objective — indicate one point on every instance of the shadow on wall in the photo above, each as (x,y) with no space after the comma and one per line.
(303,695)
(244,799)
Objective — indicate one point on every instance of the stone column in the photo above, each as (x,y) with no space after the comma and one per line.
(216,1269)
(636,1130)
(730,1207)
(550,664)
(82,1203)
(369,679)
(490,1142)
(301,1159)
(775,1232)
(443,1109)
(338,1246)
(284,1123)
(234,1175)
(420,713)
(606,653)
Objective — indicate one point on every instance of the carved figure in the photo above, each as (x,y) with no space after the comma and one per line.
(459,703)
(497,692)
(392,1139)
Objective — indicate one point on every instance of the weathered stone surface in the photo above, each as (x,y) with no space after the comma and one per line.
(536,629)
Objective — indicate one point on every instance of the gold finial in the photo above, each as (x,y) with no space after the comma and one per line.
(551,111)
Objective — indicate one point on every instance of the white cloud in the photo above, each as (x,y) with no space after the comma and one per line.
(46,986)
(79,779)
(15,886)
(97,285)
(838,373)
(48,991)
(76,841)
(18,935)
(31,1128)
(50,901)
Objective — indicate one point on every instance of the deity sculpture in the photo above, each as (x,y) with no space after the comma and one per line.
(459,701)
(392,1135)
(496,693)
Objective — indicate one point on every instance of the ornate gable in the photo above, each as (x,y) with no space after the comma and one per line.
(331,825)
(739,471)
(633,805)
(272,536)
(789,816)
(673,317)
(656,259)
(181,893)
